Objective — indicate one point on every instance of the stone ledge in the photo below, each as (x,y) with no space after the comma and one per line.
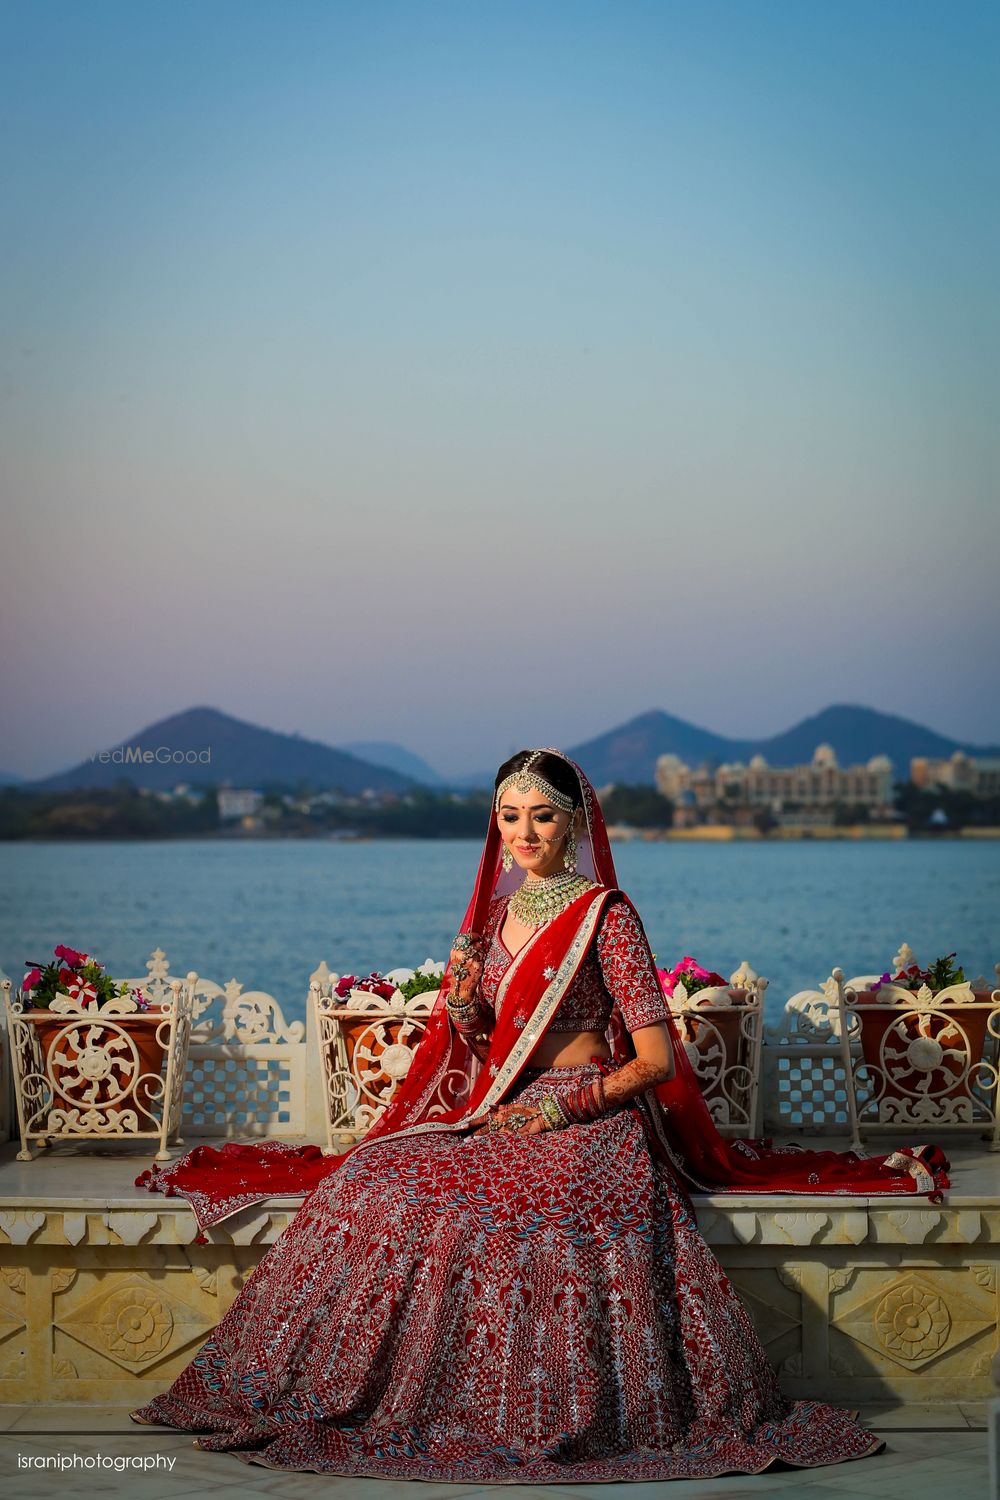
(124,1223)
(105,1294)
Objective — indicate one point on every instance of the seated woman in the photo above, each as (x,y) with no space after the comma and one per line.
(504,1282)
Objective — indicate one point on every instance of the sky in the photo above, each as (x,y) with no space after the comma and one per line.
(474,375)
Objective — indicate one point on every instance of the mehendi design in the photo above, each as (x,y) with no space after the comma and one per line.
(634,1078)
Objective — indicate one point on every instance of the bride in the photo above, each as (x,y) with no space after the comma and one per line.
(504,1281)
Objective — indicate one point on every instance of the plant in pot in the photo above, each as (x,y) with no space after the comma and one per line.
(928,1040)
(100,1043)
(712,1041)
(380,1024)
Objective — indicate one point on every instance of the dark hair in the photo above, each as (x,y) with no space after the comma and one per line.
(558,772)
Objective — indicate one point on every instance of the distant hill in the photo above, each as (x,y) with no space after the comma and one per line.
(857,734)
(245,755)
(628,753)
(395,758)
(10,778)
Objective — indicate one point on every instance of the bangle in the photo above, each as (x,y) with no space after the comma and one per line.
(466,1015)
(552,1112)
(587,1102)
(453,1003)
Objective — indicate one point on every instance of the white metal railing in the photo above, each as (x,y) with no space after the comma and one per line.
(920,1059)
(246,1072)
(110,1072)
(721,1029)
(250,1073)
(366,1043)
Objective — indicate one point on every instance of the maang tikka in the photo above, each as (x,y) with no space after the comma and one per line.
(527,780)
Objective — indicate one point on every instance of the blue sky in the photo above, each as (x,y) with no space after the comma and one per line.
(484,374)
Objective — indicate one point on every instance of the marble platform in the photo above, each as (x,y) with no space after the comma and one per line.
(929,1451)
(105,1296)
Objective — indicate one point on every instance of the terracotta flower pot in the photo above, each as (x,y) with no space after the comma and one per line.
(97,1060)
(924,1056)
(376,1055)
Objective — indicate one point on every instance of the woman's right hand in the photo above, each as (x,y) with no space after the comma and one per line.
(466,966)
(511,1119)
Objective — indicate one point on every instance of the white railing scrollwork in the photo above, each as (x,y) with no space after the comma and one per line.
(924,1059)
(721,1029)
(366,1045)
(246,1072)
(111,1071)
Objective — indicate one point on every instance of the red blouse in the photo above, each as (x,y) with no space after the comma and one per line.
(616,969)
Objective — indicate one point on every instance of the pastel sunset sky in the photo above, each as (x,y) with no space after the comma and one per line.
(481,374)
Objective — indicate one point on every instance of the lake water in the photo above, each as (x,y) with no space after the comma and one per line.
(267,912)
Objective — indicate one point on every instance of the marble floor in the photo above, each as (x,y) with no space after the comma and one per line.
(931,1452)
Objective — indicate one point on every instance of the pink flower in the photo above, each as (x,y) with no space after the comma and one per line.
(70,956)
(374,984)
(691,974)
(31,979)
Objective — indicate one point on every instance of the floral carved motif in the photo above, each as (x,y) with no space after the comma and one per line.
(920,1318)
(135,1324)
(912,1321)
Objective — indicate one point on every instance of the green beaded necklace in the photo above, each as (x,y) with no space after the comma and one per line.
(540,899)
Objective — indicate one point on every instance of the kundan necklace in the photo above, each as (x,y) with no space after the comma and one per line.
(543,897)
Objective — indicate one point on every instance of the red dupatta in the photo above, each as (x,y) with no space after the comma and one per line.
(683,1132)
(447,1087)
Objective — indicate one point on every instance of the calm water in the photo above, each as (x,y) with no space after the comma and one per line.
(268,912)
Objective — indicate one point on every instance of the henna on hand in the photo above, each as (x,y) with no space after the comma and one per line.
(530,1120)
(466,971)
(634,1078)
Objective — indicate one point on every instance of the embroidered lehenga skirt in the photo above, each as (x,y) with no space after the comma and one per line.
(496,1308)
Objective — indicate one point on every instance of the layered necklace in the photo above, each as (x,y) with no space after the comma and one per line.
(543,897)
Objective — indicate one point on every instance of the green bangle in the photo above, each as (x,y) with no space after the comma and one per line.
(551,1111)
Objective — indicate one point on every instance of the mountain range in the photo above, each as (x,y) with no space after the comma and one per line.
(247,755)
(241,754)
(629,752)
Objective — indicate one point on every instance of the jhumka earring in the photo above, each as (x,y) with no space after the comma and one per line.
(569,852)
(507,859)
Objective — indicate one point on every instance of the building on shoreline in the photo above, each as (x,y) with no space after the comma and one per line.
(238,803)
(979,775)
(755,793)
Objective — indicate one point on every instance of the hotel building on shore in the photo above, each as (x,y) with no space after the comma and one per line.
(979,775)
(739,793)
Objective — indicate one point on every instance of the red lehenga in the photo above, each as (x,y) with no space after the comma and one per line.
(502,1308)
